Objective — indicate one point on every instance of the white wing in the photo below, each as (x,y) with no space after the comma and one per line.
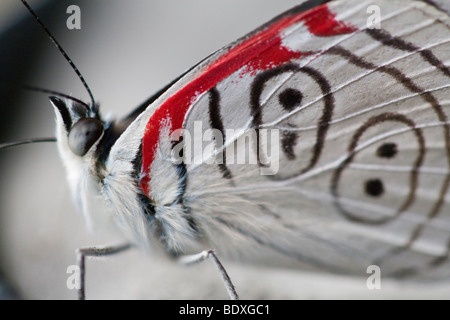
(364,145)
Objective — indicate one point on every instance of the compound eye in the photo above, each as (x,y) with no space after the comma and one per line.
(84,134)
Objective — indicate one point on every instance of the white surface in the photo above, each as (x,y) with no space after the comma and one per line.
(127,50)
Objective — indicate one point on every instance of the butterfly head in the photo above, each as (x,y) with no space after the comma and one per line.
(81,136)
(79,127)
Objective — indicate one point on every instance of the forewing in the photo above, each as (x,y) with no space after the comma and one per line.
(363,140)
(362,114)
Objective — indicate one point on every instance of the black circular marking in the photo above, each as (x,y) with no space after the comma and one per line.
(290,98)
(323,123)
(387,150)
(374,188)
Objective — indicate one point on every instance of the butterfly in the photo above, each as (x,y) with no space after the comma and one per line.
(361,158)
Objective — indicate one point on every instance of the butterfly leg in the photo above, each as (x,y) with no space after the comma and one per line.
(82,253)
(210,254)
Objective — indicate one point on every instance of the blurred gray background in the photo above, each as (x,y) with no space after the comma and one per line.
(126,50)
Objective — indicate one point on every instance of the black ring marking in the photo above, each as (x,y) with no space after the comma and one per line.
(324,121)
(411,86)
(352,152)
(216,122)
(387,39)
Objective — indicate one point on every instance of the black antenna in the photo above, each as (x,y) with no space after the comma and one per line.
(56,93)
(63,53)
(25,141)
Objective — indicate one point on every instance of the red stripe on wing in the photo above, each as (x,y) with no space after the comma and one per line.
(322,23)
(260,52)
